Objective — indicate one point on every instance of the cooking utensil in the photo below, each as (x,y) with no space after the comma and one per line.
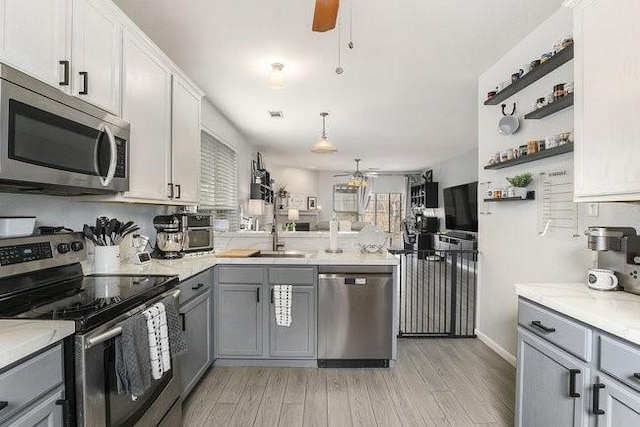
(108,232)
(508,124)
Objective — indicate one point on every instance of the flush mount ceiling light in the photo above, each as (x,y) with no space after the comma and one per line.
(323,146)
(276,77)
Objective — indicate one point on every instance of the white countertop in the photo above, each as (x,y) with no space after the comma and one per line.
(20,338)
(615,312)
(187,267)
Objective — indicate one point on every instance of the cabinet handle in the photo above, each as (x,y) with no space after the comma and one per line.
(539,325)
(636,375)
(65,73)
(184,321)
(257,294)
(85,80)
(170,185)
(272,295)
(178,191)
(195,288)
(572,382)
(3,404)
(596,399)
(65,411)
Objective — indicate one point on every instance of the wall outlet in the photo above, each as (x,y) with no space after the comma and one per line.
(593,209)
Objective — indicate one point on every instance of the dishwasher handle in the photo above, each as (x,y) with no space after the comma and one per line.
(351,279)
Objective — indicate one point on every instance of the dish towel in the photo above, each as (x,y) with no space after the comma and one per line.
(177,340)
(283,302)
(164,338)
(155,322)
(133,367)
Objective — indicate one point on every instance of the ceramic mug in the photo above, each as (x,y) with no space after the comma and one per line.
(551,141)
(524,69)
(602,279)
(545,57)
(510,154)
(568,87)
(490,193)
(541,102)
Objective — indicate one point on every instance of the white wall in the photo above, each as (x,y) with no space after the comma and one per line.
(457,170)
(65,211)
(511,249)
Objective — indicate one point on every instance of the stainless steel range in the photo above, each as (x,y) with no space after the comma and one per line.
(41,278)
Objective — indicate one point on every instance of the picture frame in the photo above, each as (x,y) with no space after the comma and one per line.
(312,203)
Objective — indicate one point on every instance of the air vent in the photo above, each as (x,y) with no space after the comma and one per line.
(276,114)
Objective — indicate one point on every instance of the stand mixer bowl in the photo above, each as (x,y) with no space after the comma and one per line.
(169,241)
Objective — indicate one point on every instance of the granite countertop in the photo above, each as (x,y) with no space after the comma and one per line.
(190,266)
(615,312)
(21,338)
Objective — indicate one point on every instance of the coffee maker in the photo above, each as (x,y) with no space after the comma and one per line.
(169,237)
(617,249)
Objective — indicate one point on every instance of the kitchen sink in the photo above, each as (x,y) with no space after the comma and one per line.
(283,254)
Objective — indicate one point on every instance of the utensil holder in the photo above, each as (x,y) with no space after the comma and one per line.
(106,259)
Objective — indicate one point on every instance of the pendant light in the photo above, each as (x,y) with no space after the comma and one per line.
(323,146)
(276,77)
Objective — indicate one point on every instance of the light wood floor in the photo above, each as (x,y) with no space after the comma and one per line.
(436,382)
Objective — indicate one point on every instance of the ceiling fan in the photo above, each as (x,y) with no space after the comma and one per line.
(357,178)
(325,15)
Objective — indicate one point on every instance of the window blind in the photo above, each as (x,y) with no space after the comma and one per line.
(219,180)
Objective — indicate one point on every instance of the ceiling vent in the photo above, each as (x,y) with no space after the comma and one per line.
(276,114)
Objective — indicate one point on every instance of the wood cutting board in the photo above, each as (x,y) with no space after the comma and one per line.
(237,253)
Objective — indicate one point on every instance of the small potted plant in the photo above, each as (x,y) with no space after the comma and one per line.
(520,184)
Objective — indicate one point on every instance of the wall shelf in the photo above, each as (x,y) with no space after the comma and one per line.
(554,107)
(531,195)
(561,149)
(560,58)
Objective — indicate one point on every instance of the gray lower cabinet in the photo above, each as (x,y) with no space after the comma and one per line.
(239,320)
(32,392)
(546,393)
(196,316)
(618,405)
(245,326)
(299,339)
(44,413)
(571,374)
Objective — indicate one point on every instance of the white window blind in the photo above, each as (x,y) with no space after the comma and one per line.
(219,180)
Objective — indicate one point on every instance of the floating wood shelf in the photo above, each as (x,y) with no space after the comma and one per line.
(566,148)
(560,58)
(554,107)
(531,195)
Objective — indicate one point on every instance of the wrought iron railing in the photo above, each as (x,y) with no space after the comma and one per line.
(438,293)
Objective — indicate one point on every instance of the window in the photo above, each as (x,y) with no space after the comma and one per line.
(386,211)
(219,180)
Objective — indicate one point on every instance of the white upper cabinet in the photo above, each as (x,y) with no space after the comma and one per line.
(35,36)
(97,54)
(185,142)
(147,107)
(607,106)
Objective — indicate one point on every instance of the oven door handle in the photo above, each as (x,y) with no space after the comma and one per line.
(111,333)
(113,159)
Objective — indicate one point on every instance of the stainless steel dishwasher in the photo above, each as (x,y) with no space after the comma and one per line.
(355,314)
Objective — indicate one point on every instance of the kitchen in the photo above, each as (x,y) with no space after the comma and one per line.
(181,105)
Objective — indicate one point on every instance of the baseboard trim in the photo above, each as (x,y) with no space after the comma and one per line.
(497,348)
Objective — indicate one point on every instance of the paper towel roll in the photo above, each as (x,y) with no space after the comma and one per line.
(333,235)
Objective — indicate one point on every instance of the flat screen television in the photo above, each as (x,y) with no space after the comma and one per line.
(461,207)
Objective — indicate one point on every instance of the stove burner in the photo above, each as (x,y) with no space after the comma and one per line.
(78,307)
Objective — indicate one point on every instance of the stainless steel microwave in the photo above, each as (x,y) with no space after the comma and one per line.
(54,143)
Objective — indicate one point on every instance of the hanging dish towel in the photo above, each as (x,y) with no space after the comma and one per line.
(283,302)
(133,371)
(154,329)
(164,338)
(177,340)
